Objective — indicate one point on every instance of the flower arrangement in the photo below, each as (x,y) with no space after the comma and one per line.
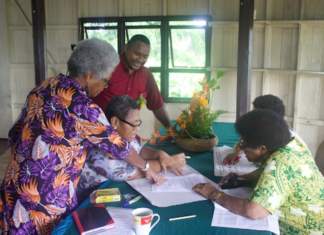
(196,120)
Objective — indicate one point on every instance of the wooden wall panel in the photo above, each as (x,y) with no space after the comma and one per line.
(225,10)
(22,47)
(15,17)
(260,7)
(96,8)
(314,10)
(187,7)
(286,9)
(224,46)
(142,7)
(284,48)
(59,43)
(313,48)
(258,47)
(283,85)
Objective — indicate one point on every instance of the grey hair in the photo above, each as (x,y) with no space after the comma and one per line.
(93,55)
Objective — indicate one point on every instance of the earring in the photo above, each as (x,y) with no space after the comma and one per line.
(87,90)
(115,127)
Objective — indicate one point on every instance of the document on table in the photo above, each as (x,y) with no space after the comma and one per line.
(243,166)
(165,199)
(124,223)
(179,183)
(224,218)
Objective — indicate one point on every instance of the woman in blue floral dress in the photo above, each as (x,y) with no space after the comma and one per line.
(50,141)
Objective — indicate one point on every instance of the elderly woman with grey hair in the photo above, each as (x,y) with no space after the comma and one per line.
(50,141)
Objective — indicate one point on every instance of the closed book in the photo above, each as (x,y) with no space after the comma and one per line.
(92,220)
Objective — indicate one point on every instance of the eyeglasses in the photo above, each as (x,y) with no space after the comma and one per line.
(106,82)
(134,126)
(242,147)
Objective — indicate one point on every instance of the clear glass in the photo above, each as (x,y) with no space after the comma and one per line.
(188,48)
(143,23)
(190,23)
(109,35)
(100,24)
(184,84)
(157,77)
(154,35)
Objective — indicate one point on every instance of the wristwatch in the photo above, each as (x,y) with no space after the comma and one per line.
(217,195)
(146,167)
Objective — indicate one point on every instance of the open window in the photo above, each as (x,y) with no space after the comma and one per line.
(180,48)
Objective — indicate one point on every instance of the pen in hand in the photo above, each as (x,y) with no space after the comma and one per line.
(132,201)
(238,157)
(234,178)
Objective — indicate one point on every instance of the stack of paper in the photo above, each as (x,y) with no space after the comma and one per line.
(169,195)
(243,166)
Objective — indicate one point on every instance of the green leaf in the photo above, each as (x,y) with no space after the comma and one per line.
(220,74)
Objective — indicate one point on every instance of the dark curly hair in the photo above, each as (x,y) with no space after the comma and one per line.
(263,127)
(139,37)
(270,102)
(119,106)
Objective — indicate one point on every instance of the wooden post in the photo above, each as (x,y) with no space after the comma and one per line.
(244,58)
(39,40)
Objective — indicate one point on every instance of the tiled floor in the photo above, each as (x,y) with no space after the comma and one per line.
(3,159)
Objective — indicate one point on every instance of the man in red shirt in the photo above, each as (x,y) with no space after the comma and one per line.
(133,79)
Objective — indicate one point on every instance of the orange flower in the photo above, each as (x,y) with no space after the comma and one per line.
(182,116)
(195,95)
(183,126)
(203,101)
(193,103)
(178,121)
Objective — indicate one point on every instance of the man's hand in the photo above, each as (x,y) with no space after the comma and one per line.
(154,177)
(175,162)
(207,190)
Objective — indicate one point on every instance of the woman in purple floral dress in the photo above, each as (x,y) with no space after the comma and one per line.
(51,139)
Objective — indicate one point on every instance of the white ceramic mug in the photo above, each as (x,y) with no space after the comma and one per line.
(142,219)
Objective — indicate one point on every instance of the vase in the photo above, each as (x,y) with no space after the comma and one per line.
(197,145)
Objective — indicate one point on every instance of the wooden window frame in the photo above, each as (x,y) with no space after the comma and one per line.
(164,69)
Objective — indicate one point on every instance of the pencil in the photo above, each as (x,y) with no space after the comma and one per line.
(184,217)
(186,157)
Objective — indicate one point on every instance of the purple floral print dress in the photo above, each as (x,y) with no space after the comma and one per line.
(50,141)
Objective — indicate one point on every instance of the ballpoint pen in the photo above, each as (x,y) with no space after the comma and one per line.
(132,201)
(234,178)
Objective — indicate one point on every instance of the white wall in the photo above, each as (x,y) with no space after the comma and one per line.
(288,53)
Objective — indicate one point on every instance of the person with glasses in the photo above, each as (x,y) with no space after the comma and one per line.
(132,78)
(50,141)
(123,114)
(288,182)
(268,102)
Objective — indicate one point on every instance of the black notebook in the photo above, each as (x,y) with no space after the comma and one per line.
(93,219)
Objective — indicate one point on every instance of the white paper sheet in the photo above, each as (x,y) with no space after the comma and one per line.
(165,199)
(243,166)
(179,183)
(124,223)
(224,218)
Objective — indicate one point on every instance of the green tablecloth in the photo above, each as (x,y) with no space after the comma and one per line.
(202,162)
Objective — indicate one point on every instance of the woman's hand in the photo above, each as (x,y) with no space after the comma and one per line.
(207,190)
(154,177)
(230,160)
(172,162)
(229,179)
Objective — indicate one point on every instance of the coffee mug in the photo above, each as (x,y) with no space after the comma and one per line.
(142,219)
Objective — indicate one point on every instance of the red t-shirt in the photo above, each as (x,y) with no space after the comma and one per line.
(121,83)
